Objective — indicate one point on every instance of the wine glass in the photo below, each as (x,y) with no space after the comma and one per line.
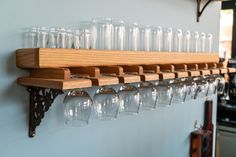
(148,95)
(164,94)
(106,103)
(203,86)
(220,85)
(179,90)
(130,99)
(212,87)
(77,108)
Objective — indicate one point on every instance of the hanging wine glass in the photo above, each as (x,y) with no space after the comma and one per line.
(130,99)
(77,108)
(106,103)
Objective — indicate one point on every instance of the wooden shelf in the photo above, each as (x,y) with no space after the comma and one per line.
(53,70)
(55,58)
(71,68)
(55,83)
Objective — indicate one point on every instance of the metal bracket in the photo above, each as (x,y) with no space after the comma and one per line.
(40,101)
(200,11)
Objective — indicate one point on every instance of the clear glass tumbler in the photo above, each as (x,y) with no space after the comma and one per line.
(104,33)
(133,37)
(30,37)
(76,38)
(61,37)
(209,40)
(203,43)
(77,108)
(186,41)
(145,38)
(119,35)
(157,38)
(42,41)
(168,39)
(69,38)
(195,42)
(52,36)
(88,34)
(85,39)
(178,40)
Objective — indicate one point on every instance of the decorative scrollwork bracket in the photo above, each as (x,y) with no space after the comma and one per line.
(199,10)
(40,101)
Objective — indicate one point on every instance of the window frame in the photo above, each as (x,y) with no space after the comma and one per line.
(232,5)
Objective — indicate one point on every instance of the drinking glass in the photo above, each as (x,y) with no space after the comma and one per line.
(61,37)
(157,38)
(202,42)
(77,108)
(148,95)
(52,38)
(106,103)
(130,99)
(85,39)
(191,88)
(209,40)
(178,39)
(104,33)
(203,86)
(168,39)
(179,90)
(119,35)
(212,83)
(220,85)
(69,38)
(146,38)
(42,37)
(87,33)
(133,37)
(30,38)
(164,94)
(195,42)
(76,38)
(186,41)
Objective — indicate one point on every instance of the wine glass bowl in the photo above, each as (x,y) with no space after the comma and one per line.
(106,104)
(148,95)
(77,108)
(164,94)
(130,99)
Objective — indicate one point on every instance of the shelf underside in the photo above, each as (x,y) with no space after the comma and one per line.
(64,82)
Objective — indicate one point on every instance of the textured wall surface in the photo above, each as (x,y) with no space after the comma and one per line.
(163,132)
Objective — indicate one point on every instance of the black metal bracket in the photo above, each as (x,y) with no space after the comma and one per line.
(40,101)
(199,10)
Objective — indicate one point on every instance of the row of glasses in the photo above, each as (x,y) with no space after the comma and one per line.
(111,34)
(108,102)
(57,37)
